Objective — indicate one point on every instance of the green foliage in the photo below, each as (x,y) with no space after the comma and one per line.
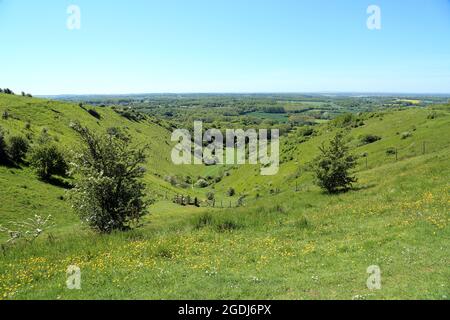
(347,120)
(231,192)
(3,149)
(406,135)
(201,183)
(332,166)
(369,138)
(17,148)
(391,151)
(109,193)
(47,160)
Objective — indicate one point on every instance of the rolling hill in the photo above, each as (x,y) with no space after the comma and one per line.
(288,241)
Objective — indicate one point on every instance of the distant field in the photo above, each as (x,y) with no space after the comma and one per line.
(279,117)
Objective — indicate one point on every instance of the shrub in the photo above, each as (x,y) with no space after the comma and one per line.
(47,160)
(406,135)
(432,115)
(369,138)
(201,183)
(3,154)
(391,151)
(332,166)
(347,120)
(306,131)
(17,148)
(210,196)
(109,194)
(231,192)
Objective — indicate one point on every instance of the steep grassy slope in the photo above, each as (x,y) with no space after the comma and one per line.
(22,195)
(289,244)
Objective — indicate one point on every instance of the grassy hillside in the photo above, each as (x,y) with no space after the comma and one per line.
(23,195)
(289,241)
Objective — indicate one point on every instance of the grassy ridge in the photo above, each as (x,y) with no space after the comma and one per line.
(288,245)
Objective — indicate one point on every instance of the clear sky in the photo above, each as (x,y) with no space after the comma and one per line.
(145,46)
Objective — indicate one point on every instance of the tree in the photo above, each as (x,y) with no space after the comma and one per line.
(332,166)
(109,194)
(231,192)
(17,148)
(47,160)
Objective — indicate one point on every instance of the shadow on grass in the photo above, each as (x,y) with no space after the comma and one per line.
(9,164)
(347,190)
(59,182)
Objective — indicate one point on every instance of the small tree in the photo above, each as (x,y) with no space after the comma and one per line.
(17,148)
(332,166)
(109,194)
(231,192)
(210,196)
(47,160)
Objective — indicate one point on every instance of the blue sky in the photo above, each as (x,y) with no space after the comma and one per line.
(139,46)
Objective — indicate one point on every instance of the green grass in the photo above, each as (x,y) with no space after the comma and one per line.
(291,245)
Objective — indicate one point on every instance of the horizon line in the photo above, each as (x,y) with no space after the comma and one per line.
(373,93)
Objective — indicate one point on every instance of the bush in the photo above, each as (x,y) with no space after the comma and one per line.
(17,148)
(332,166)
(47,160)
(231,192)
(3,154)
(391,151)
(369,138)
(406,135)
(109,194)
(201,183)
(210,196)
